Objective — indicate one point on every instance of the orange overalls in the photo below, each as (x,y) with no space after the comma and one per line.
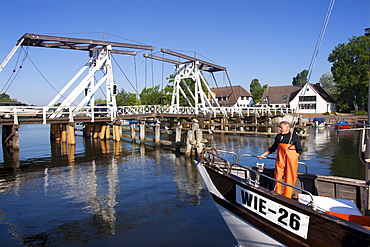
(286,165)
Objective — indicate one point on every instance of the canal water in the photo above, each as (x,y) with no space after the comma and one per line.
(100,193)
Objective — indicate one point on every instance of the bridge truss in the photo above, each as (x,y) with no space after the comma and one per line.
(197,96)
(99,60)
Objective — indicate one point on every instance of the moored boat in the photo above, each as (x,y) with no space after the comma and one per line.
(341,124)
(318,122)
(324,210)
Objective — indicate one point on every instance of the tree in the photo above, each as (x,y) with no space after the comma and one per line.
(151,96)
(6,98)
(351,71)
(124,98)
(329,85)
(256,89)
(100,101)
(301,78)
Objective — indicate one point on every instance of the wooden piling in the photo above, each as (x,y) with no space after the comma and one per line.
(96,130)
(178,138)
(157,134)
(64,133)
(102,132)
(117,135)
(142,131)
(133,133)
(71,134)
(10,137)
(107,132)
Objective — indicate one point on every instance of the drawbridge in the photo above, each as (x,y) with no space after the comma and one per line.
(191,94)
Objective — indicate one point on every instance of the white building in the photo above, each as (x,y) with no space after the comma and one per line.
(310,98)
(233,96)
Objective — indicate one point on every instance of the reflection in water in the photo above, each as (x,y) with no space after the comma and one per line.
(135,195)
(121,194)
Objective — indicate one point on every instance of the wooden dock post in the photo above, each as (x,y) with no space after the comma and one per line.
(71,134)
(10,138)
(102,132)
(57,131)
(117,134)
(133,133)
(87,129)
(142,131)
(96,130)
(157,134)
(64,133)
(189,140)
(178,138)
(107,132)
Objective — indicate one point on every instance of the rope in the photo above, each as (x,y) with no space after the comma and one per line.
(320,38)
(124,74)
(137,95)
(14,75)
(315,54)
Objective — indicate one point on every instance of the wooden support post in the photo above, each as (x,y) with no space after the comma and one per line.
(52,131)
(107,132)
(87,129)
(117,133)
(57,132)
(64,133)
(102,132)
(142,131)
(157,134)
(178,138)
(190,141)
(71,134)
(199,141)
(241,126)
(10,137)
(133,133)
(96,130)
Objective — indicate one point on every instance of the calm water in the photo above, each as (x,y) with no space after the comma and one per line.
(102,194)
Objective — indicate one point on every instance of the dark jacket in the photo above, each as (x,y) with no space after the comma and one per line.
(288,139)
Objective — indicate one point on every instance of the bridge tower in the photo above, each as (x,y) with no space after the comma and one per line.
(195,92)
(99,60)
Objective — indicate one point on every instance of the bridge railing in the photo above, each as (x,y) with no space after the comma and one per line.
(47,112)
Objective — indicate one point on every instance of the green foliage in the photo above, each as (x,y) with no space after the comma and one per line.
(362,113)
(301,78)
(6,98)
(351,72)
(329,85)
(153,96)
(100,101)
(256,89)
(124,98)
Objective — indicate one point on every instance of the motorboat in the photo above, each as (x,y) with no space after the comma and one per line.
(318,122)
(323,211)
(341,124)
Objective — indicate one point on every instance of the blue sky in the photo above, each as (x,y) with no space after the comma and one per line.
(269,40)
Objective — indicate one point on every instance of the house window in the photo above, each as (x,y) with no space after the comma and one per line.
(307,106)
(307,98)
(284,97)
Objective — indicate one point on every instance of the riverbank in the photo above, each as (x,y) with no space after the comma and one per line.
(331,119)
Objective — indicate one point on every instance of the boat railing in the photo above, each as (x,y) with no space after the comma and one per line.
(211,156)
(238,158)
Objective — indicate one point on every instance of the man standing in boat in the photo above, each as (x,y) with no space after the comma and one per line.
(288,146)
